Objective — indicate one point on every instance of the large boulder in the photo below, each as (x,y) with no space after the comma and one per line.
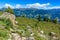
(9,16)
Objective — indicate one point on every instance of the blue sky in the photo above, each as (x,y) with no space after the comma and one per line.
(45,4)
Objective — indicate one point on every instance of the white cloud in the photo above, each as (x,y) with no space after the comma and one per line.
(8,5)
(11,6)
(37,5)
(54,7)
(34,5)
(18,6)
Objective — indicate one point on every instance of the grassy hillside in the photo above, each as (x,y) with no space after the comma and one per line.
(0,13)
(47,27)
(35,27)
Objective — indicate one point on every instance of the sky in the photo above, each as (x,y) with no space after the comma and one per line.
(40,4)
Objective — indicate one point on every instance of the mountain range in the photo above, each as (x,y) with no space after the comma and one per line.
(53,13)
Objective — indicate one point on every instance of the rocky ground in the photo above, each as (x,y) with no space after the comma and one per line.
(23,28)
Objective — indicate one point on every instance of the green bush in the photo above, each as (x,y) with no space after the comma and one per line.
(23,15)
(55,20)
(47,19)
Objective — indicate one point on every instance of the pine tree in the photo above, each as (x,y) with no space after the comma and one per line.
(55,20)
(39,18)
(9,10)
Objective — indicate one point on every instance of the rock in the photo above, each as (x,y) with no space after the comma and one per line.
(16,22)
(9,16)
(28,27)
(28,38)
(42,32)
(32,34)
(55,38)
(16,36)
(31,38)
(9,39)
(23,38)
(29,30)
(52,34)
